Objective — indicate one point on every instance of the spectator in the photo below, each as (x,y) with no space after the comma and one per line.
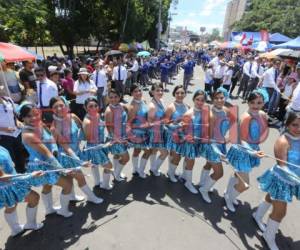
(83,89)
(119,76)
(99,76)
(9,77)
(27,77)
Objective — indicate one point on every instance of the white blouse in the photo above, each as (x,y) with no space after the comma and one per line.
(83,86)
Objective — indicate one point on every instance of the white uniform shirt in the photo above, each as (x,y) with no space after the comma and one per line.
(83,86)
(215,62)
(46,89)
(269,79)
(208,76)
(119,73)
(250,69)
(295,102)
(135,66)
(228,76)
(220,71)
(99,77)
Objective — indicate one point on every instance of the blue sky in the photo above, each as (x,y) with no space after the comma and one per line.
(196,13)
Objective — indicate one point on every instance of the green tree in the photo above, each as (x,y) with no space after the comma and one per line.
(274,15)
(214,35)
(24,22)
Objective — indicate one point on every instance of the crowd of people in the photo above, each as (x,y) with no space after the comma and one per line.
(67,115)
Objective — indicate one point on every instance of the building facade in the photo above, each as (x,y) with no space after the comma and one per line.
(234,12)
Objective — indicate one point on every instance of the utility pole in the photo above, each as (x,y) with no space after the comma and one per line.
(159,27)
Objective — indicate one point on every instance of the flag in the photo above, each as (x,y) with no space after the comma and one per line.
(243,38)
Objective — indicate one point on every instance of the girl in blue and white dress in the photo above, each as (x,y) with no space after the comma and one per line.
(215,150)
(156,119)
(174,138)
(137,134)
(116,122)
(66,130)
(14,190)
(282,181)
(193,124)
(96,151)
(246,155)
(42,149)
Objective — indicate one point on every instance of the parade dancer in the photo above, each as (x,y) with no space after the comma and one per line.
(156,115)
(245,156)
(173,116)
(14,190)
(42,150)
(66,128)
(96,151)
(282,181)
(137,135)
(215,150)
(116,122)
(193,121)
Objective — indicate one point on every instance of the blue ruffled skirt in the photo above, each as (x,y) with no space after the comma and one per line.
(211,153)
(13,192)
(47,178)
(241,159)
(174,144)
(140,140)
(68,162)
(192,150)
(98,156)
(157,142)
(277,185)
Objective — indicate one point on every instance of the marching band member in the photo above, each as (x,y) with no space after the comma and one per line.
(94,133)
(116,122)
(282,181)
(245,157)
(174,113)
(193,121)
(14,190)
(138,136)
(66,128)
(215,151)
(156,115)
(42,149)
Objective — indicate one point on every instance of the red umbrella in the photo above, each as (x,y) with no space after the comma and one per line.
(13,53)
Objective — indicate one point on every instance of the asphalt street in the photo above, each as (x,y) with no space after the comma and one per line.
(157,214)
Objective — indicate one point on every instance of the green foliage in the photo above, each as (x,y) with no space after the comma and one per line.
(274,15)
(24,22)
(70,22)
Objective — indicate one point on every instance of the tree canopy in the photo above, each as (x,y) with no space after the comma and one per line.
(70,22)
(274,15)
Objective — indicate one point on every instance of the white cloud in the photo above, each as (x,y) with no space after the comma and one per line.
(210,5)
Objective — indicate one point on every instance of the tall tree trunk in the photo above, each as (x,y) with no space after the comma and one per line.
(125,22)
(62,49)
(97,48)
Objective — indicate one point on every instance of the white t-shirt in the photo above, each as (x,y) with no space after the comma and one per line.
(83,86)
(208,76)
(227,77)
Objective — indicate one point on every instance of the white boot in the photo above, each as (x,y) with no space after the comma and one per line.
(205,189)
(90,195)
(135,164)
(231,183)
(64,202)
(189,182)
(96,175)
(31,219)
(152,159)
(171,172)
(182,176)
(157,164)
(105,183)
(143,163)
(118,167)
(229,197)
(203,176)
(270,234)
(75,197)
(12,221)
(48,203)
(259,214)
